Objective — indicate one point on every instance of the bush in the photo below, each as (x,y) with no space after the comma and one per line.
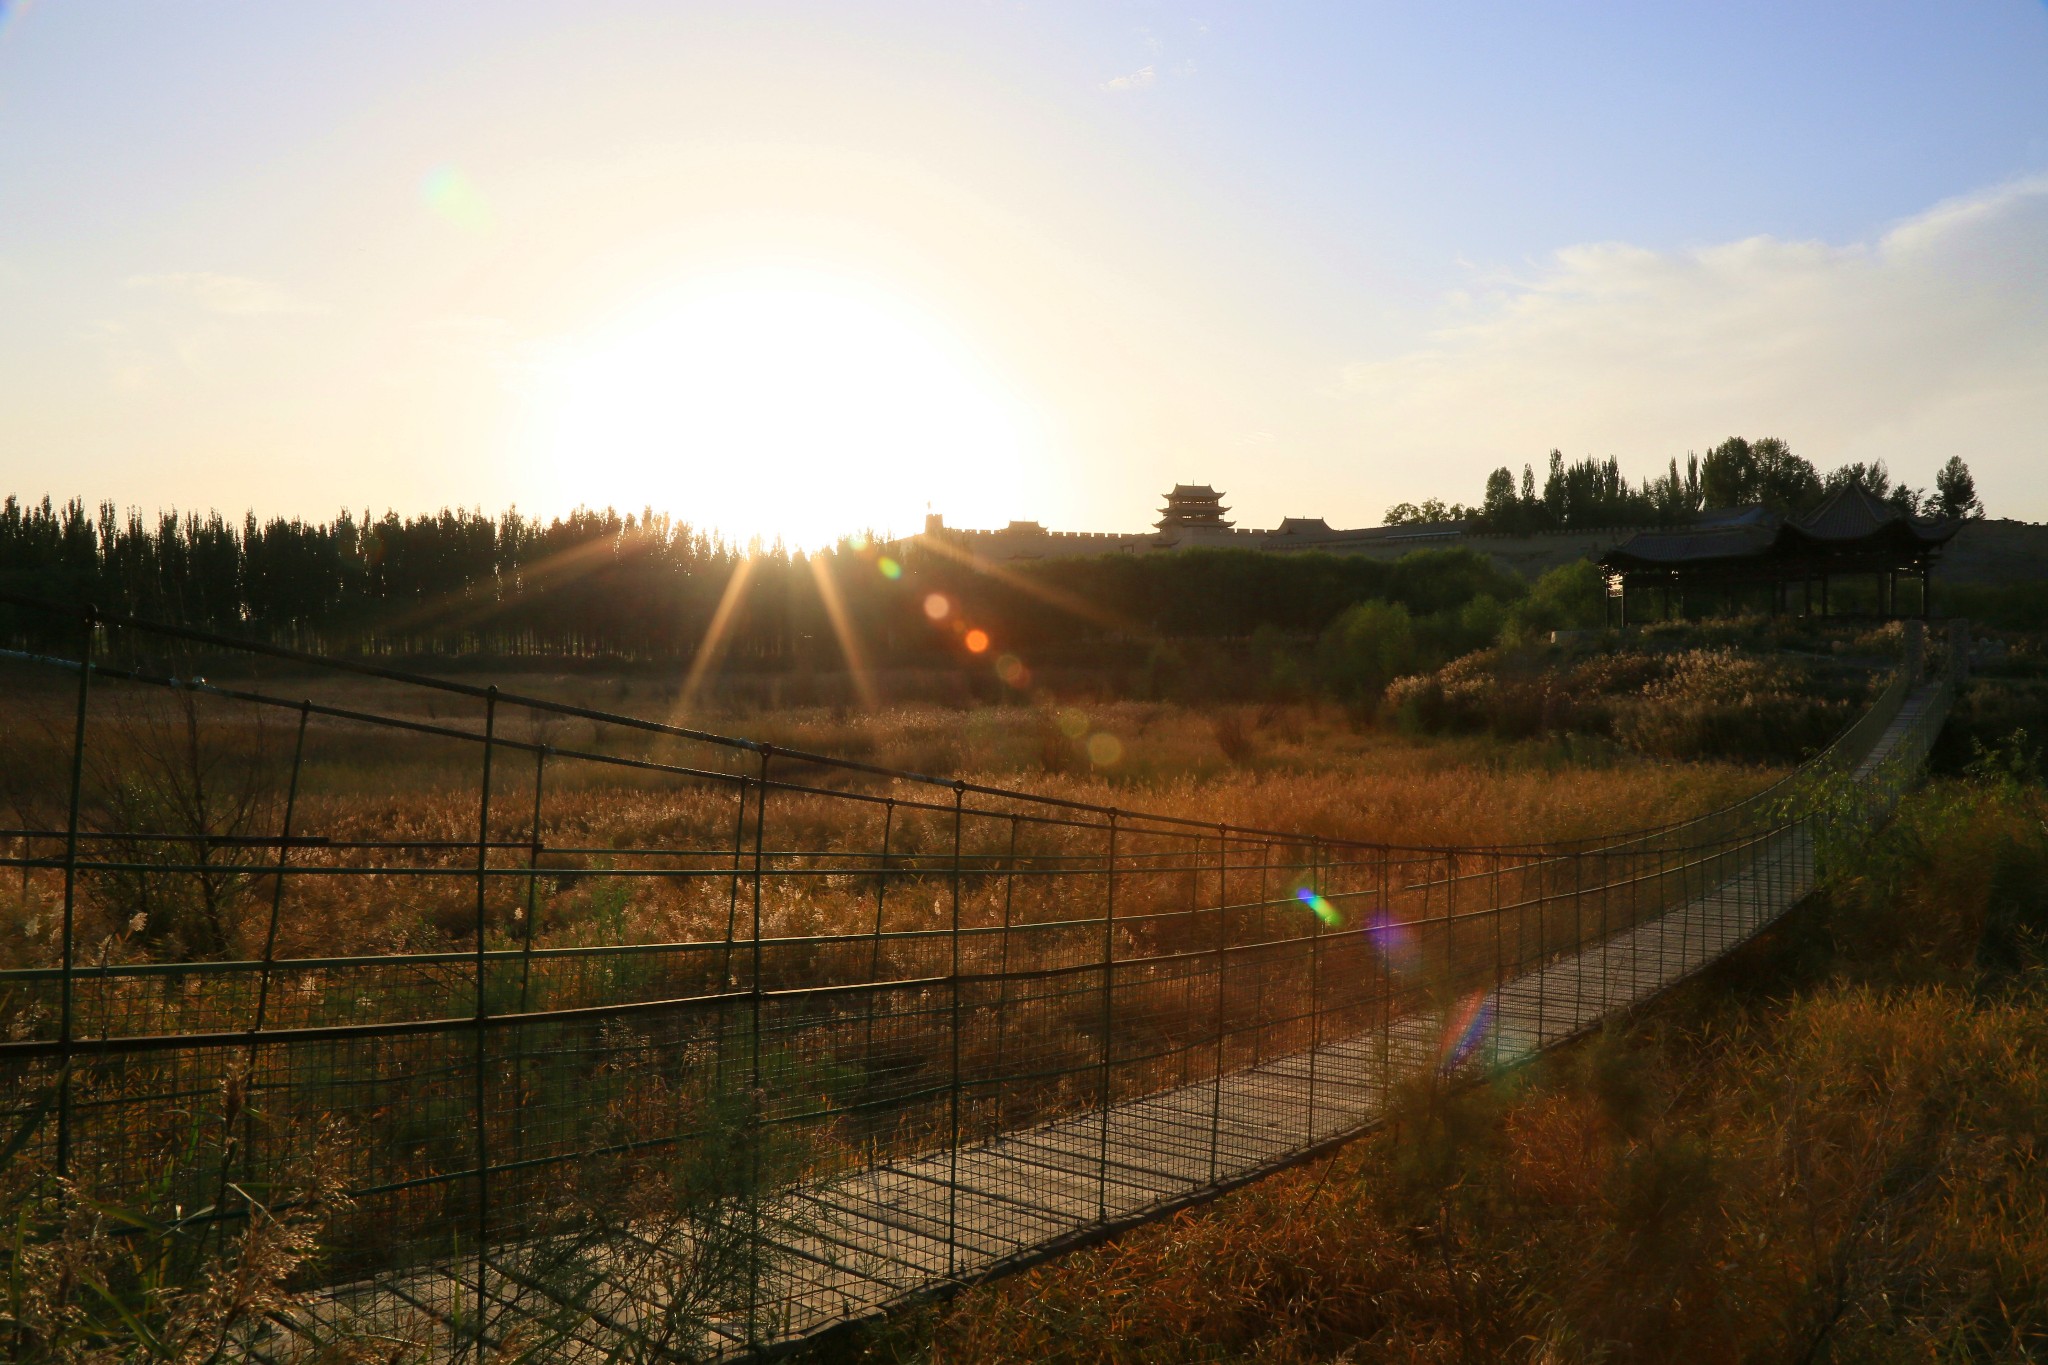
(1366,648)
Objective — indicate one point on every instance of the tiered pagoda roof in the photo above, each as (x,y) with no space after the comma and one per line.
(1192,504)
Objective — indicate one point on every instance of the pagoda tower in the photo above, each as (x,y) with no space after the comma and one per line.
(1192,504)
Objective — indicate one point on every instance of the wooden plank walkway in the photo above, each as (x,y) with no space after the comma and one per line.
(900,1228)
(855,1246)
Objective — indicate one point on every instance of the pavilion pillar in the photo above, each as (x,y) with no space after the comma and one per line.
(1823,594)
(1926,590)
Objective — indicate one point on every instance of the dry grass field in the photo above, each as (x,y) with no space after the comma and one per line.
(1828,1148)
(193,764)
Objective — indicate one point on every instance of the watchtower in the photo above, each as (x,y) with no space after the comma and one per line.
(1192,504)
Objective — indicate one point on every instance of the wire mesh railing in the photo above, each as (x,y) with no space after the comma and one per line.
(877,1033)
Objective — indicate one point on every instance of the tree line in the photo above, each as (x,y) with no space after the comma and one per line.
(1590,494)
(648,587)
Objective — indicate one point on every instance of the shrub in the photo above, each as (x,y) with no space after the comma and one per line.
(1366,648)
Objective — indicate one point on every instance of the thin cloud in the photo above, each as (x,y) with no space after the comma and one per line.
(1929,341)
(227,295)
(1144,78)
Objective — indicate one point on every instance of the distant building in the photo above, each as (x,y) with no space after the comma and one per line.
(1194,517)
(1723,543)
(1190,505)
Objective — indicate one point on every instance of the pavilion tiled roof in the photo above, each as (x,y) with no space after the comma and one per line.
(1854,513)
(1850,518)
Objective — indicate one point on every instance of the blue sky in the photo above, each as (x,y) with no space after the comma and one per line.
(1326,257)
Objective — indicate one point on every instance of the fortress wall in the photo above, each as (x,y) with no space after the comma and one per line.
(1999,551)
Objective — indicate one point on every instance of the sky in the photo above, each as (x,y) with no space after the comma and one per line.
(802,267)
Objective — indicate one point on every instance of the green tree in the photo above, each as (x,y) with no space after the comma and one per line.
(1367,647)
(1955,491)
(1739,473)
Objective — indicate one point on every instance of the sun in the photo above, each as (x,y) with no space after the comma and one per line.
(784,404)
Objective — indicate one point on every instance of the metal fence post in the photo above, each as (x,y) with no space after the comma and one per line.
(1105,1086)
(67,963)
(867,1054)
(1500,956)
(483,1149)
(284,843)
(1262,958)
(1451,919)
(726,980)
(1384,953)
(1003,974)
(953,1097)
(1579,939)
(532,913)
(533,852)
(755,1097)
(1222,962)
(1184,1044)
(1315,979)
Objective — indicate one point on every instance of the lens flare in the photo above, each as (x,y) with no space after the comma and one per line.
(891,570)
(855,542)
(843,630)
(936,606)
(1464,1027)
(1073,724)
(1012,671)
(1105,750)
(1396,942)
(451,196)
(977,641)
(1326,912)
(712,650)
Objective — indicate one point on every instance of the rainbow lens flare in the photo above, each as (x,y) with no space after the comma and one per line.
(1396,942)
(1464,1026)
(450,195)
(1326,912)
(1105,750)
(891,570)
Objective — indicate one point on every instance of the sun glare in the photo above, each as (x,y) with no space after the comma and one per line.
(777,404)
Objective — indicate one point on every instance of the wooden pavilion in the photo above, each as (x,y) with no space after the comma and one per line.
(1751,550)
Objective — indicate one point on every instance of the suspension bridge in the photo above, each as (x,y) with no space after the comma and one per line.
(934,1031)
